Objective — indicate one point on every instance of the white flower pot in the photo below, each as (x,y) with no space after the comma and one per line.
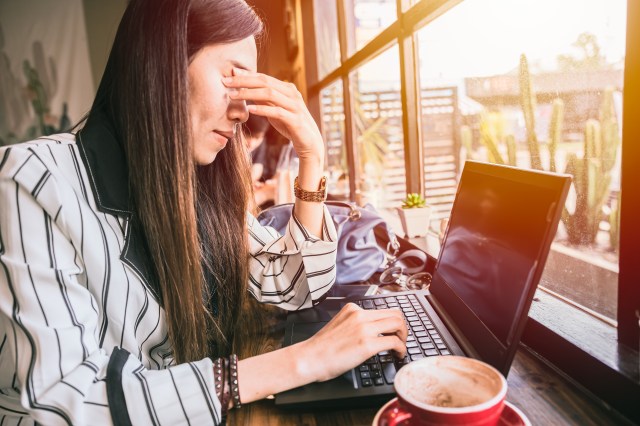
(415,221)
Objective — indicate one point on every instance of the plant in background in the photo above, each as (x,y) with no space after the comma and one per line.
(371,142)
(555,131)
(592,175)
(414,215)
(375,132)
(614,229)
(492,135)
(528,103)
(413,200)
(41,87)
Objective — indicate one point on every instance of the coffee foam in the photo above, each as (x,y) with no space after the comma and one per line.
(448,382)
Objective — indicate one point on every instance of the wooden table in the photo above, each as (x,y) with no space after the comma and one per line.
(543,394)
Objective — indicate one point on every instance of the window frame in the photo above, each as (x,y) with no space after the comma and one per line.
(608,379)
(629,277)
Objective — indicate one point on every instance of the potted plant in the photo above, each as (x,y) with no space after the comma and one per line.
(414,215)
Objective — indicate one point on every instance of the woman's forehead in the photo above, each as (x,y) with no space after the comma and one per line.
(240,54)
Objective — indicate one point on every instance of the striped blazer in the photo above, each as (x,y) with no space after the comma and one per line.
(83,337)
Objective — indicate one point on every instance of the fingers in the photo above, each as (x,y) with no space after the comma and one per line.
(242,78)
(377,314)
(266,95)
(377,322)
(355,334)
(392,343)
(392,325)
(263,88)
(372,314)
(273,112)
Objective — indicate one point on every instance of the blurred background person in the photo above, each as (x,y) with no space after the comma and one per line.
(255,130)
(265,147)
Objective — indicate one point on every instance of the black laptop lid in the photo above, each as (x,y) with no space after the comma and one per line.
(501,227)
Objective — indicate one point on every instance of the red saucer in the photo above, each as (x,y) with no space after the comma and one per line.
(511,415)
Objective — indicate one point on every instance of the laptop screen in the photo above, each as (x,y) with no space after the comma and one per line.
(501,226)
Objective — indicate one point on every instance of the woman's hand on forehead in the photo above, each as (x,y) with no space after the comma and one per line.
(282,104)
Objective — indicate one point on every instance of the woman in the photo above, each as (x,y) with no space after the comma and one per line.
(126,249)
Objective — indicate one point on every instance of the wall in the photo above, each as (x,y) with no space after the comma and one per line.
(275,56)
(44,65)
(102,19)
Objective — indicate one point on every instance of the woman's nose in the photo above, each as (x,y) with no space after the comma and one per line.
(237,110)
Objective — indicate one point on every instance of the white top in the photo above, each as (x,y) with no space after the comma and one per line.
(73,292)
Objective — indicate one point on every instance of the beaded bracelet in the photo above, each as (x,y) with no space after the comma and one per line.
(233,380)
(220,375)
(217,376)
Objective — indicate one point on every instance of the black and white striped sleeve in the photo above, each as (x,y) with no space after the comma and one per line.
(294,270)
(49,320)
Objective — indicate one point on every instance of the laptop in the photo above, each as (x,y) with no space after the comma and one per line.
(502,223)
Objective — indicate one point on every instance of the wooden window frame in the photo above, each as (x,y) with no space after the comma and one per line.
(611,380)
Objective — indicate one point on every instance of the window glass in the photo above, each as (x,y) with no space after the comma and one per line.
(366,19)
(333,131)
(327,43)
(408,4)
(379,136)
(503,91)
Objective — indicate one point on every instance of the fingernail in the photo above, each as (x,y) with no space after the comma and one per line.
(238,71)
(227,80)
(251,108)
(233,92)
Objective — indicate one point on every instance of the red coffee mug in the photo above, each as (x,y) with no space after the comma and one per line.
(448,390)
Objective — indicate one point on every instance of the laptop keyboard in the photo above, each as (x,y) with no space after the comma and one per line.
(423,340)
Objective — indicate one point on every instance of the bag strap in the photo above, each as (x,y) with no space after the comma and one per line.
(354,211)
(416,254)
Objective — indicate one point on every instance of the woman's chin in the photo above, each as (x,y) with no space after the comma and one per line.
(204,159)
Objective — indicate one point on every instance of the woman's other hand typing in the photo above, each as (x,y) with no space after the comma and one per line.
(350,338)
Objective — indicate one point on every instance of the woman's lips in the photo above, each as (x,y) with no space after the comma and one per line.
(223,136)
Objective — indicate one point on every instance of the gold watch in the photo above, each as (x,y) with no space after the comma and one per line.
(315,196)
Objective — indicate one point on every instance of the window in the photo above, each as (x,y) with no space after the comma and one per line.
(548,100)
(366,19)
(450,77)
(377,115)
(327,43)
(333,132)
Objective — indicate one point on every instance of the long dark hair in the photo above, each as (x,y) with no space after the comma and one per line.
(193,217)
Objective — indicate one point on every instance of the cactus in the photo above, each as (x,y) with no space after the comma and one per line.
(38,95)
(489,139)
(42,85)
(14,107)
(592,174)
(555,131)
(492,135)
(528,103)
(413,200)
(510,140)
(614,229)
